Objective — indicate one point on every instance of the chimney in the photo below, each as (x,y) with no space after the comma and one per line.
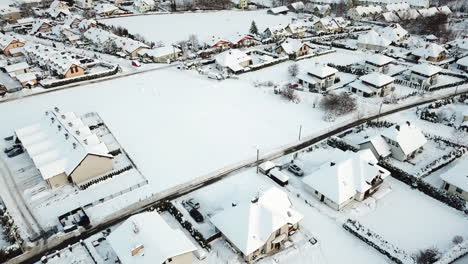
(74,145)
(397,127)
(427,46)
(62,116)
(46,113)
(332,164)
(59,127)
(70,124)
(66,136)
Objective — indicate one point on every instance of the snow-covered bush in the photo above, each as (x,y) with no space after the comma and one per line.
(341,144)
(338,104)
(457,240)
(428,256)
(290,94)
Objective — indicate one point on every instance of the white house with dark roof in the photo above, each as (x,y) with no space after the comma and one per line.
(318,78)
(456,178)
(425,74)
(404,140)
(64,149)
(233,60)
(373,41)
(147,239)
(346,177)
(378,63)
(260,227)
(106,9)
(373,84)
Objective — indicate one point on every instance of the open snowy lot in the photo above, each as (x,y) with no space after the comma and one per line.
(172,28)
(179,125)
(413,221)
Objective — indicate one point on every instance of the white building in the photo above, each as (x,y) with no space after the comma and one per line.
(233,60)
(143,6)
(63,148)
(318,78)
(394,32)
(146,239)
(373,41)
(456,180)
(430,52)
(404,140)
(259,228)
(373,84)
(361,12)
(84,4)
(278,10)
(425,74)
(348,176)
(378,63)
(463,64)
(378,146)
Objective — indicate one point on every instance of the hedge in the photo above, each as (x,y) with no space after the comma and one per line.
(52,84)
(341,144)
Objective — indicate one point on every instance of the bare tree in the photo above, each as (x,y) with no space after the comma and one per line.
(428,256)
(293,70)
(290,94)
(193,39)
(457,240)
(338,104)
(26,10)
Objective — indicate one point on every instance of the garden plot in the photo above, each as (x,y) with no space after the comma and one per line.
(327,230)
(414,221)
(173,28)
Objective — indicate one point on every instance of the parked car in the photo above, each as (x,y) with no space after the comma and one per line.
(193,203)
(214,75)
(296,170)
(15,152)
(195,214)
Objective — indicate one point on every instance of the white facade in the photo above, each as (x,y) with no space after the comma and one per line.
(85,4)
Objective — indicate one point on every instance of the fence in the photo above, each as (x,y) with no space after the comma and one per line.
(408,83)
(112,196)
(51,84)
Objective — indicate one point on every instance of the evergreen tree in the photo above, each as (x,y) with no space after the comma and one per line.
(253,28)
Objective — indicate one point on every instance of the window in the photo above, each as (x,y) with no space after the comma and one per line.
(72,70)
(278,232)
(458,190)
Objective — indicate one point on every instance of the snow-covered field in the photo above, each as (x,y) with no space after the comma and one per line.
(176,27)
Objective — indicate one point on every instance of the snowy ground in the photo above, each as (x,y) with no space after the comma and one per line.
(176,27)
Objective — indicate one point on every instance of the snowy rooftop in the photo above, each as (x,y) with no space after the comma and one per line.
(105,8)
(370,9)
(408,14)
(53,58)
(26,77)
(377,79)
(17,67)
(458,174)
(279,9)
(397,6)
(5,40)
(249,225)
(37,25)
(346,174)
(291,46)
(430,50)
(298,5)
(232,59)
(100,36)
(159,52)
(146,238)
(463,61)
(373,38)
(379,60)
(426,69)
(380,146)
(59,142)
(393,32)
(408,136)
(321,71)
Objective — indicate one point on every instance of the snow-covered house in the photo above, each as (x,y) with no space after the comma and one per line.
(296,7)
(394,32)
(102,37)
(373,41)
(444,10)
(41,26)
(146,238)
(431,38)
(318,78)
(378,63)
(161,54)
(87,24)
(58,63)
(321,10)
(456,179)
(17,68)
(27,80)
(8,43)
(404,140)
(378,146)
(296,30)
(259,228)
(410,14)
(360,12)
(84,4)
(430,52)
(73,21)
(58,10)
(373,84)
(233,60)
(428,12)
(459,45)
(10,14)
(390,17)
(143,6)
(294,48)
(328,25)
(62,147)
(275,32)
(425,74)
(106,9)
(280,10)
(395,7)
(348,176)
(463,64)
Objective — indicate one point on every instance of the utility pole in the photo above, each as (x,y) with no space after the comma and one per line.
(258,156)
(380,109)
(300,131)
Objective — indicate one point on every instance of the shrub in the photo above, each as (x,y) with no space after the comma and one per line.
(289,93)
(457,240)
(428,256)
(338,104)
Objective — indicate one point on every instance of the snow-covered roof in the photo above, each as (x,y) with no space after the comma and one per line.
(427,12)
(26,20)
(279,175)
(267,165)
(105,8)
(408,14)
(345,175)
(393,32)
(463,61)
(249,225)
(291,46)
(26,77)
(461,43)
(232,59)
(38,23)
(397,6)
(279,9)
(306,78)
(373,38)
(321,71)
(100,36)
(146,238)
(390,17)
(426,69)
(143,3)
(380,146)
(328,23)
(298,5)
(445,10)
(368,10)
(363,87)
(59,142)
(6,40)
(159,52)
(431,37)
(86,23)
(408,136)
(457,175)
(52,58)
(70,20)
(5,10)
(297,27)
(376,79)
(430,50)
(17,67)
(379,60)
